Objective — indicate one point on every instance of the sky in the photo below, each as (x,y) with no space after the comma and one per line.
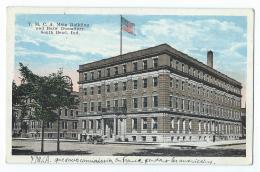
(226,36)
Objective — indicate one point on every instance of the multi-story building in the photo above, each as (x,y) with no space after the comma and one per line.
(27,127)
(158,94)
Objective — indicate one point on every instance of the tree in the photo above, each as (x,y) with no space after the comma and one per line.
(48,93)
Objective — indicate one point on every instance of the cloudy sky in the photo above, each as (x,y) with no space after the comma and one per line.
(193,35)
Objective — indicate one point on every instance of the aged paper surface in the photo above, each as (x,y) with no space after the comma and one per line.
(154,86)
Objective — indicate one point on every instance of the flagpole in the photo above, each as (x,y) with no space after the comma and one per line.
(121,35)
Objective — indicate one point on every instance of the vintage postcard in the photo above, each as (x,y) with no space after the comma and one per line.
(130,86)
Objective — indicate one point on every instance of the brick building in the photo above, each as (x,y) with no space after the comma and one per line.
(158,94)
(29,128)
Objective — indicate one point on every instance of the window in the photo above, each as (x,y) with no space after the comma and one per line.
(154,138)
(172,123)
(108,88)
(85,76)
(170,101)
(134,138)
(84,124)
(171,61)
(99,89)
(177,84)
(182,67)
(116,86)
(116,70)
(115,103)
(66,112)
(99,106)
(134,124)
(144,138)
(144,102)
(155,81)
(71,112)
(182,85)
(74,125)
(99,74)
(145,64)
(135,66)
(144,123)
(124,86)
(64,125)
(135,84)
(155,101)
(124,102)
(85,105)
(73,135)
(61,135)
(108,104)
(182,104)
(154,123)
(135,102)
(144,83)
(49,124)
(171,82)
(85,91)
(92,75)
(155,62)
(188,105)
(92,106)
(177,65)
(98,124)
(92,90)
(124,68)
(49,135)
(91,124)
(108,72)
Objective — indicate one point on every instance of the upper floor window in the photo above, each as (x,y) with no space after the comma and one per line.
(144,102)
(92,75)
(71,112)
(99,106)
(108,104)
(66,112)
(85,91)
(92,90)
(99,74)
(155,101)
(85,106)
(124,68)
(144,123)
(116,70)
(124,86)
(145,64)
(92,105)
(182,67)
(115,103)
(124,103)
(85,76)
(74,125)
(155,81)
(154,123)
(177,65)
(135,102)
(108,72)
(108,88)
(99,89)
(134,124)
(135,84)
(135,68)
(116,86)
(182,85)
(155,62)
(171,61)
(145,83)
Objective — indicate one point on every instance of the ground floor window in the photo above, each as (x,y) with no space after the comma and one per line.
(74,135)
(143,138)
(134,138)
(49,135)
(154,138)
(61,135)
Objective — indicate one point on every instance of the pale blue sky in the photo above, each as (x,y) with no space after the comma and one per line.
(193,35)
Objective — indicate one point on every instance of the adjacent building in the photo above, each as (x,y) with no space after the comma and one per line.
(158,94)
(27,127)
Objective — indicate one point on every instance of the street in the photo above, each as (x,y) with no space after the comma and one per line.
(32,147)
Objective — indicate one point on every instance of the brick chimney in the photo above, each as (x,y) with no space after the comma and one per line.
(210,58)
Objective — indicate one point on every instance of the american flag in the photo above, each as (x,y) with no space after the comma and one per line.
(127,26)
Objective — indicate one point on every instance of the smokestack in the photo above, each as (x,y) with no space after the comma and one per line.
(210,58)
